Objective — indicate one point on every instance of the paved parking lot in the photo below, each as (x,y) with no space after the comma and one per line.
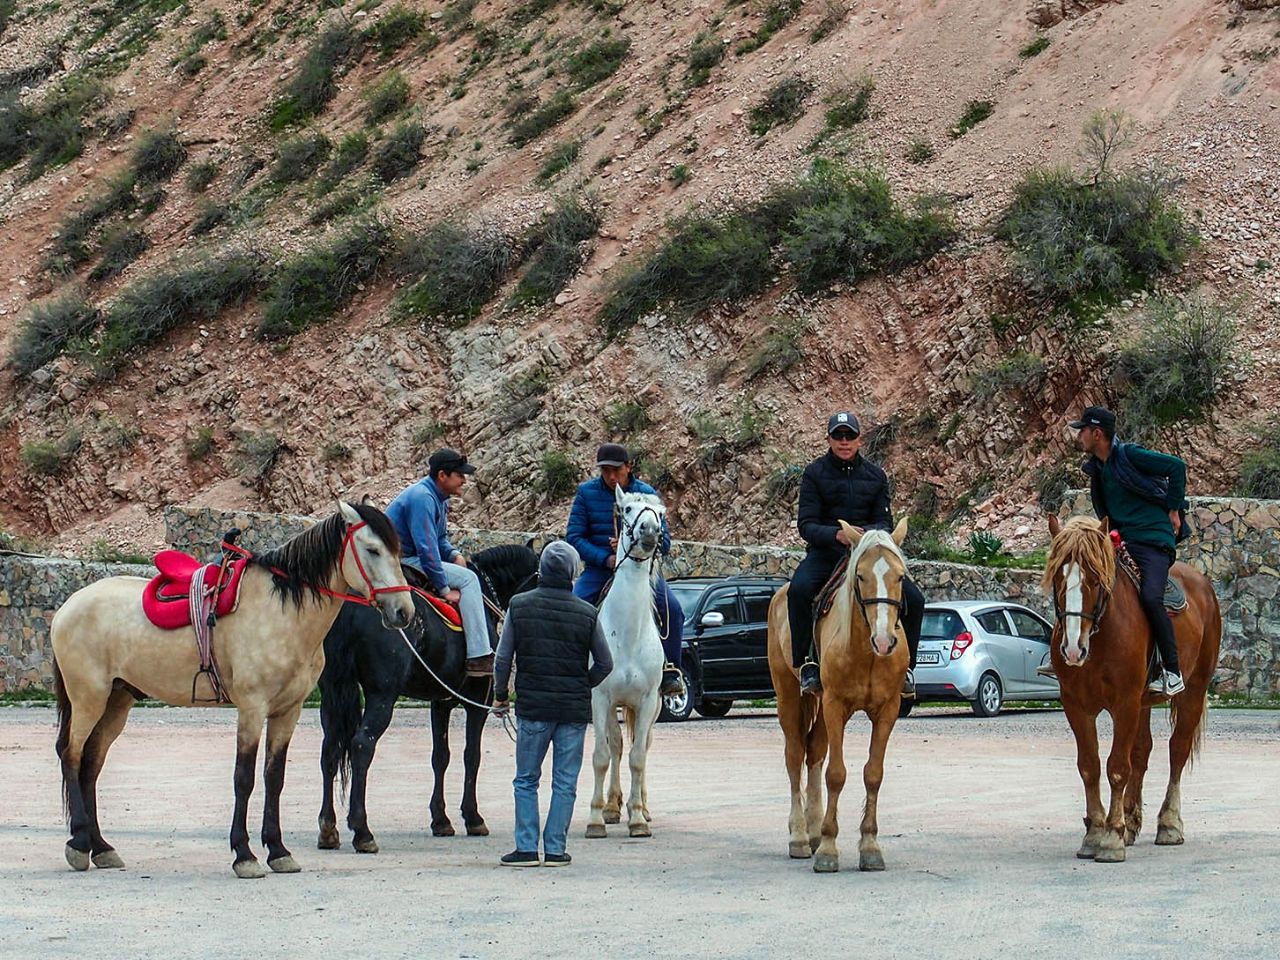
(979,823)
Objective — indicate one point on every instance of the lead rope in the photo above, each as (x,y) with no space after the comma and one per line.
(506,722)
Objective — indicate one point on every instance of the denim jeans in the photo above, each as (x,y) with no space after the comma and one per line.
(533,737)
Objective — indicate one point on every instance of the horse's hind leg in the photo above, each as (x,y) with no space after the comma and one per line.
(440,713)
(329,838)
(1139,761)
(791,719)
(1190,707)
(95,754)
(279,732)
(602,717)
(377,715)
(248,734)
(79,716)
(613,807)
(476,827)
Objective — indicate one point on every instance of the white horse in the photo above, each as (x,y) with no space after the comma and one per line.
(626,619)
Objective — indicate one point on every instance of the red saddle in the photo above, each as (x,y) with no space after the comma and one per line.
(445,610)
(165,599)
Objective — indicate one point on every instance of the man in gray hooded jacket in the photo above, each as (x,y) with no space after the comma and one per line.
(549,634)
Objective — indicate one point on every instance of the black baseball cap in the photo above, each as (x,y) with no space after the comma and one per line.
(450,461)
(1095,417)
(843,421)
(612,455)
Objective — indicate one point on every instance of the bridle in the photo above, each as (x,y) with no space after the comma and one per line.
(631,536)
(1094,618)
(863,603)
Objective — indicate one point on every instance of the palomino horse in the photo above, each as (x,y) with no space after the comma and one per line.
(269,651)
(626,619)
(367,664)
(864,656)
(1104,667)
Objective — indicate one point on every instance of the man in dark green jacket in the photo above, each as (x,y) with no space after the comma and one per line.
(1143,493)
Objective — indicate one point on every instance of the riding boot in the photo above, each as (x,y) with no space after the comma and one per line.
(670,680)
(810,678)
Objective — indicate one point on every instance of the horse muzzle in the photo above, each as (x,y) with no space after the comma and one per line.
(397,612)
(884,646)
(1074,658)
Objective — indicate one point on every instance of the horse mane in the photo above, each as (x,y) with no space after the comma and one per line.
(508,565)
(1081,541)
(304,564)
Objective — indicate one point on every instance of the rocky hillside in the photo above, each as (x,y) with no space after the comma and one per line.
(267,253)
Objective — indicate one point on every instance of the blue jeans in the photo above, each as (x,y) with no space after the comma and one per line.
(532,739)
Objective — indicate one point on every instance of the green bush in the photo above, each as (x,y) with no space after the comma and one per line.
(832,17)
(314,85)
(1036,47)
(427,431)
(48,328)
(706,260)
(299,158)
(315,285)
(720,439)
(1052,483)
(559,159)
(201,175)
(355,199)
(351,152)
(705,53)
(1075,239)
(257,454)
(777,15)
(557,249)
(781,349)
(626,418)
(208,216)
(71,245)
(535,120)
(849,103)
(162,301)
(386,98)
(454,272)
(559,476)
(1176,368)
(596,62)
(1260,468)
(457,15)
(975,111)
(50,132)
(201,445)
(782,485)
(783,104)
(158,156)
(879,439)
(984,546)
(679,174)
(51,457)
(394,29)
(1019,371)
(398,155)
(919,151)
(119,248)
(855,227)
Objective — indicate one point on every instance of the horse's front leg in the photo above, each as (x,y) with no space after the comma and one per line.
(1111,849)
(441,711)
(869,855)
(377,716)
(248,734)
(602,715)
(646,714)
(1085,728)
(836,714)
(613,806)
(476,827)
(279,732)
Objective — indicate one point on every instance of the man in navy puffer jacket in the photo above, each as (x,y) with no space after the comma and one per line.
(593,532)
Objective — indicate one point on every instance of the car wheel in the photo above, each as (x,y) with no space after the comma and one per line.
(904,708)
(989,698)
(678,706)
(714,709)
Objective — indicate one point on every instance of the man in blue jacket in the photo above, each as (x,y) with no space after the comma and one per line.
(1143,493)
(593,532)
(420,515)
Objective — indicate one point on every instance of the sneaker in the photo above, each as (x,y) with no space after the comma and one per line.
(557,860)
(1046,670)
(909,685)
(480,666)
(810,679)
(521,858)
(671,684)
(1173,684)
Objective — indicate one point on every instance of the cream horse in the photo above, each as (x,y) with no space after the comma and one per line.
(626,619)
(270,652)
(864,656)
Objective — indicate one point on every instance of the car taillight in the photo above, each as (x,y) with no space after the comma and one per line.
(960,644)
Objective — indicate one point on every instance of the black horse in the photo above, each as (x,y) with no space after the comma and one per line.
(362,656)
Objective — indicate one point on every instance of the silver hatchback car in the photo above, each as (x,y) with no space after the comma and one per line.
(985,652)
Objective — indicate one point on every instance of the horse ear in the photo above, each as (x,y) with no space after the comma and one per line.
(852,533)
(900,531)
(349,513)
(1106,526)
(1055,525)
(618,494)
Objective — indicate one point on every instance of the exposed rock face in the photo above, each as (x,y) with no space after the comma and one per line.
(1046,13)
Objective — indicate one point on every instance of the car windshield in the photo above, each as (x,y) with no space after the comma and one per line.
(941,625)
(688,594)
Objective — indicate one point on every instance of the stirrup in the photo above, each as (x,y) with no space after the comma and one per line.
(814,684)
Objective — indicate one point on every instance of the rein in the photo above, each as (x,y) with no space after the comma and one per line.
(488,708)
(650,560)
(864,603)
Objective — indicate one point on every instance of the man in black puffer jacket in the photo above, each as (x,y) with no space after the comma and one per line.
(549,633)
(840,485)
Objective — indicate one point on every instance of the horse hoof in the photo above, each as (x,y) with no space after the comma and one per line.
(77,859)
(799,850)
(640,829)
(613,816)
(444,829)
(1169,837)
(870,861)
(369,845)
(826,863)
(285,864)
(596,831)
(1110,855)
(1130,837)
(108,860)
(329,839)
(249,869)
(480,829)
(1087,851)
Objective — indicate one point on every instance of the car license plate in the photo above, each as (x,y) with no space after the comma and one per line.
(927,657)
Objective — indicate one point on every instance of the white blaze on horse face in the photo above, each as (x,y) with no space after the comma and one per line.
(882,639)
(1073,624)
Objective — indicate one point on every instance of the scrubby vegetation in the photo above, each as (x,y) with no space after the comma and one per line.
(1019,371)
(975,111)
(48,328)
(314,84)
(299,158)
(158,156)
(783,104)
(777,14)
(386,98)
(454,271)
(597,61)
(530,119)
(705,54)
(557,244)
(1260,468)
(398,154)
(559,475)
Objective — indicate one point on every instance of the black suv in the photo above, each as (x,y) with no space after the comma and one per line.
(726,637)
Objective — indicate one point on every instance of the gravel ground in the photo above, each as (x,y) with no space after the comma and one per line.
(979,821)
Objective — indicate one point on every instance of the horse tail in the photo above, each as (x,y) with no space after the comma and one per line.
(341,706)
(64,732)
(1197,738)
(809,707)
(629,714)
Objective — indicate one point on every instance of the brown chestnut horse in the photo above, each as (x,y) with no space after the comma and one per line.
(864,660)
(1100,657)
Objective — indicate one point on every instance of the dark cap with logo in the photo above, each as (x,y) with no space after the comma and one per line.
(450,461)
(612,455)
(843,421)
(1095,417)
